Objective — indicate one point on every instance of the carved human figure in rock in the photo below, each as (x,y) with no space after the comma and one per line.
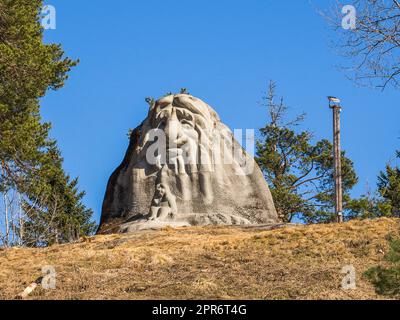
(185,167)
(163,204)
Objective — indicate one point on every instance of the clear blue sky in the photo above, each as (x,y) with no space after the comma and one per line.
(224,52)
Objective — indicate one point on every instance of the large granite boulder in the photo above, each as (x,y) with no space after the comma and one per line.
(184,167)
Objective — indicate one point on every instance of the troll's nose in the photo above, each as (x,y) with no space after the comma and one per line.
(173,129)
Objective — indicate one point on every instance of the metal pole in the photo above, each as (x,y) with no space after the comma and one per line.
(337,163)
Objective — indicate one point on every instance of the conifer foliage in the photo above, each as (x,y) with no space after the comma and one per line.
(40,203)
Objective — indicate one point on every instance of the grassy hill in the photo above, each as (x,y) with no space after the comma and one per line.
(301,262)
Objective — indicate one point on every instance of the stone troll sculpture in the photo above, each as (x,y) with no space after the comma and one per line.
(184,167)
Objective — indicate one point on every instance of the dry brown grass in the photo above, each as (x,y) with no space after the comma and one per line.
(302,262)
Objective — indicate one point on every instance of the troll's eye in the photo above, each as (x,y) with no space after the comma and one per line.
(187,124)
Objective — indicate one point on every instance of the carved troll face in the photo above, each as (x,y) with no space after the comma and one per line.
(186,137)
(182,127)
(184,165)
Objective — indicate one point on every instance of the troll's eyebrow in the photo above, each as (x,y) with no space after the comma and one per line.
(185,114)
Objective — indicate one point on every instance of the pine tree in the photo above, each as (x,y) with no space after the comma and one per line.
(299,171)
(389,190)
(30,162)
(386,279)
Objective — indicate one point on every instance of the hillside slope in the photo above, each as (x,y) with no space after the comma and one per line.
(302,262)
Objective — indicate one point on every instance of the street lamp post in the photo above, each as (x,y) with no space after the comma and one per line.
(334,104)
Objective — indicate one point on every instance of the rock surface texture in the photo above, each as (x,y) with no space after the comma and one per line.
(184,167)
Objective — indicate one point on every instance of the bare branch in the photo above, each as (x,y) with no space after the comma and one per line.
(373,48)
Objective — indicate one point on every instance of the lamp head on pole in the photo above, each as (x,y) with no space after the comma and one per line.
(334,102)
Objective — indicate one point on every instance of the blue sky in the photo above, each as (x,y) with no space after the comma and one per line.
(224,52)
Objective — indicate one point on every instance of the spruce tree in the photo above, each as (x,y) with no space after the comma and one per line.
(30,162)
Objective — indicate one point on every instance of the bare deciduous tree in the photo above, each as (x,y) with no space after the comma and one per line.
(17,212)
(373,47)
(11,225)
